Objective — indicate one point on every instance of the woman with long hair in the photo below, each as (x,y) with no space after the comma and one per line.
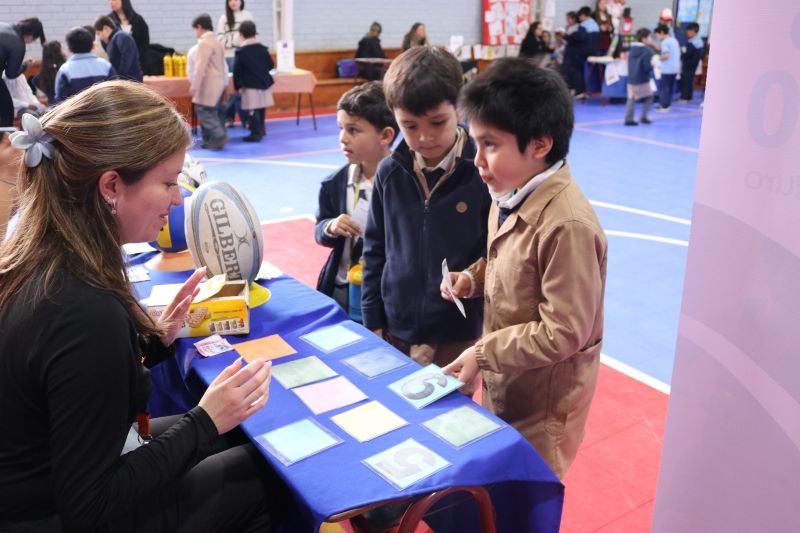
(603,19)
(415,37)
(228,34)
(13,38)
(533,46)
(131,22)
(100,170)
(370,45)
(53,57)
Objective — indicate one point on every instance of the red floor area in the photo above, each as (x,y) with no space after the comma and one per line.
(611,485)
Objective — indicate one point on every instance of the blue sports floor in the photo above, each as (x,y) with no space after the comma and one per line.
(640,179)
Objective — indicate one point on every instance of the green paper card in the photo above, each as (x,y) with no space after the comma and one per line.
(462,426)
(297,441)
(302,371)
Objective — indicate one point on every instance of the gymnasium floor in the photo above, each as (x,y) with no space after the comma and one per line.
(641,182)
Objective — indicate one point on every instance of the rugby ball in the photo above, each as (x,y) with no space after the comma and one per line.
(172,237)
(193,173)
(223,232)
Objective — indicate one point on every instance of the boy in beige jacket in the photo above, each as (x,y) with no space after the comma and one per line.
(544,277)
(208,84)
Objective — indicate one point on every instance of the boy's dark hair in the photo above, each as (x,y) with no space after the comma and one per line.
(663,29)
(516,96)
(421,78)
(204,21)
(368,101)
(79,40)
(641,34)
(695,27)
(586,11)
(32,26)
(247,28)
(572,15)
(90,29)
(102,22)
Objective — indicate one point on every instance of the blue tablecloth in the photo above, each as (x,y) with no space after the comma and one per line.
(527,496)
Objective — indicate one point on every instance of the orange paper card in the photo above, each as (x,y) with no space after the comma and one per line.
(268,348)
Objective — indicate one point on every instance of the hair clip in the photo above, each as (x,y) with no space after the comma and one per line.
(34,140)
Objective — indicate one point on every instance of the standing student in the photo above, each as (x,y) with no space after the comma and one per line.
(53,56)
(13,38)
(415,37)
(251,76)
(570,50)
(585,40)
(367,129)
(640,67)
(544,279)
(533,45)
(121,49)
(228,35)
(83,69)
(428,205)
(665,18)
(670,66)
(97,50)
(132,23)
(690,59)
(207,86)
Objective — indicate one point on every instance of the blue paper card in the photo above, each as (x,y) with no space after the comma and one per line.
(377,362)
(425,386)
(406,464)
(333,338)
(298,440)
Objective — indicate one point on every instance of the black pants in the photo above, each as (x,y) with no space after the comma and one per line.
(256,121)
(687,84)
(233,491)
(6,107)
(578,71)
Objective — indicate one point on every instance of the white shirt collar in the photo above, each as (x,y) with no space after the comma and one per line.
(529,187)
(251,40)
(444,163)
(208,32)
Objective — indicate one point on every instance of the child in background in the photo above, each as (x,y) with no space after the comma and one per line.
(428,204)
(121,49)
(207,85)
(691,57)
(228,35)
(83,69)
(640,67)
(367,129)
(251,76)
(544,280)
(570,51)
(670,66)
(53,57)
(96,50)
(22,97)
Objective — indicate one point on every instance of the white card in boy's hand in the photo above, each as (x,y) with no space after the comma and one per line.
(360,214)
(446,276)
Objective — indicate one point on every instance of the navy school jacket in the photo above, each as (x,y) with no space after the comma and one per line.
(332,199)
(124,56)
(406,240)
(693,54)
(251,67)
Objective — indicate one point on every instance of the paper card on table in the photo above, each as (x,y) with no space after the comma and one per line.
(425,386)
(369,421)
(268,348)
(333,338)
(137,273)
(298,440)
(462,426)
(405,464)
(329,395)
(302,372)
(360,215)
(449,284)
(377,362)
(213,345)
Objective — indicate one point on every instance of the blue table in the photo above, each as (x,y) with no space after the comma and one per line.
(526,495)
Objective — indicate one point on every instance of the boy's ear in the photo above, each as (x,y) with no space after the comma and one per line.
(387,136)
(539,148)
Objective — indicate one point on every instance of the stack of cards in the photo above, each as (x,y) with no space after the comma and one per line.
(212,346)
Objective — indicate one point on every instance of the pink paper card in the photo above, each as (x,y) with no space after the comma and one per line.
(329,395)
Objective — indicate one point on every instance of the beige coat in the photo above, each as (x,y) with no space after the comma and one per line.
(543,286)
(208,82)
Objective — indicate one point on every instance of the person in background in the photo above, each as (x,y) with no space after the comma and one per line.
(603,20)
(670,66)
(370,45)
(533,46)
(228,35)
(13,38)
(558,46)
(585,38)
(570,51)
(96,50)
(132,23)
(547,39)
(367,129)
(121,49)
(665,18)
(25,102)
(640,67)
(83,69)
(207,85)
(415,37)
(251,77)
(53,56)
(690,59)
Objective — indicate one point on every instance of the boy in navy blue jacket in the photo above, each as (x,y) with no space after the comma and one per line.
(83,69)
(640,57)
(367,130)
(121,49)
(690,58)
(251,76)
(429,204)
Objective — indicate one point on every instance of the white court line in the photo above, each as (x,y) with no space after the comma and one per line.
(262,162)
(629,371)
(641,212)
(289,219)
(646,237)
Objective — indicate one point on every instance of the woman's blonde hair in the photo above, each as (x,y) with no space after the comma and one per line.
(64,221)
(374,30)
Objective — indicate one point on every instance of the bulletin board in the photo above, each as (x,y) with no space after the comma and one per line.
(505,21)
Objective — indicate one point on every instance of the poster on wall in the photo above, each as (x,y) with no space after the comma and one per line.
(698,11)
(505,22)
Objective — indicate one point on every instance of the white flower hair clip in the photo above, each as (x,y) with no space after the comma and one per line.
(34,140)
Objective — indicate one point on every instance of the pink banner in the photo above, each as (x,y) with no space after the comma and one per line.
(731,456)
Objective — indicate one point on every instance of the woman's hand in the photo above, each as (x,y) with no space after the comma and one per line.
(462,285)
(176,311)
(237,393)
(344,226)
(465,368)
